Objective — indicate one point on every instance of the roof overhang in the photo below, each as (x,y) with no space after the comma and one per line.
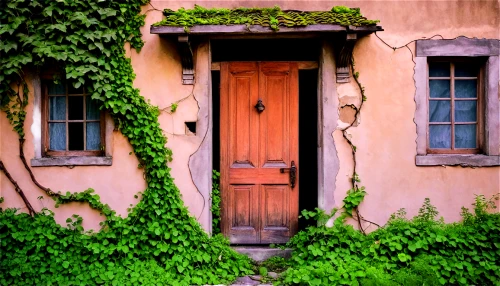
(207,30)
(345,39)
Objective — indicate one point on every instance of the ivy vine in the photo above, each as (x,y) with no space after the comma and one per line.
(215,207)
(158,242)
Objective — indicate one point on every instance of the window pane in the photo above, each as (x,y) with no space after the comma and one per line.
(466,88)
(56,88)
(57,136)
(75,107)
(465,136)
(466,69)
(72,90)
(75,135)
(465,110)
(93,136)
(92,109)
(439,111)
(439,69)
(57,108)
(440,136)
(439,88)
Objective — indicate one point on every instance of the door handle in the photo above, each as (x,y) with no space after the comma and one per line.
(293,173)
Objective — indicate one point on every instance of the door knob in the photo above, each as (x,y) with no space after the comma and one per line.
(293,173)
(260,106)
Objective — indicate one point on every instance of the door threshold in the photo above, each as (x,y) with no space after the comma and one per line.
(261,253)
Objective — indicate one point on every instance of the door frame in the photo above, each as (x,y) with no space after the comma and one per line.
(328,161)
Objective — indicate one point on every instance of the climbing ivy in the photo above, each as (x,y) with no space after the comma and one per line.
(266,17)
(158,242)
(216,202)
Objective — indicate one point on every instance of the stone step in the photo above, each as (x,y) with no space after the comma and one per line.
(261,253)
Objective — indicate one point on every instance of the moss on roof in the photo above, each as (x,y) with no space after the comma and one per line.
(267,17)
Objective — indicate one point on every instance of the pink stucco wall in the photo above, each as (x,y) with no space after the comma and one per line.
(385,136)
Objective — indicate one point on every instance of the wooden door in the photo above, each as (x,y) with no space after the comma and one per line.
(259,205)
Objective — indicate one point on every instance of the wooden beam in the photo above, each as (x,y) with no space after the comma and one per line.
(257,29)
(304,65)
(215,66)
(308,65)
(187,62)
(344,57)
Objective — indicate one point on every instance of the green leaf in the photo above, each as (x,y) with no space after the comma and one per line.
(402,257)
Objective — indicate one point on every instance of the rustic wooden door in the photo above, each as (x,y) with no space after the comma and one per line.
(258,150)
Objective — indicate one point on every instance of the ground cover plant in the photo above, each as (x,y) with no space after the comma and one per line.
(418,251)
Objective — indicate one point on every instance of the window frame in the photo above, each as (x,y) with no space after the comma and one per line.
(463,48)
(39,128)
(46,152)
(479,111)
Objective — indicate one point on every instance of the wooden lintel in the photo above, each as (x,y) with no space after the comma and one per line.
(186,54)
(303,65)
(257,29)
(312,65)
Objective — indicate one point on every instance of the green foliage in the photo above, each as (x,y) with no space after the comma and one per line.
(344,9)
(216,200)
(353,198)
(13,103)
(86,196)
(427,212)
(275,264)
(173,107)
(318,215)
(266,17)
(421,251)
(158,242)
(263,271)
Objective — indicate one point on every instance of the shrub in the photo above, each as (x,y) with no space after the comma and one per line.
(420,251)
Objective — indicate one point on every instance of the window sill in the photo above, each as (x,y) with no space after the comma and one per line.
(72,161)
(457,160)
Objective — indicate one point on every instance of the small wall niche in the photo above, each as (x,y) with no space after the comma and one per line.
(190,128)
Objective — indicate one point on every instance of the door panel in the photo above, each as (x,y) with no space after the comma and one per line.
(244,214)
(258,203)
(243,81)
(273,123)
(274,213)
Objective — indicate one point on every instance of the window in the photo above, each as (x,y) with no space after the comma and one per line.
(454,94)
(72,121)
(68,128)
(457,104)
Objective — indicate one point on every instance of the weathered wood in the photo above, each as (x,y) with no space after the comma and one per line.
(308,65)
(187,62)
(239,131)
(278,87)
(259,206)
(215,66)
(253,29)
(344,57)
(305,65)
